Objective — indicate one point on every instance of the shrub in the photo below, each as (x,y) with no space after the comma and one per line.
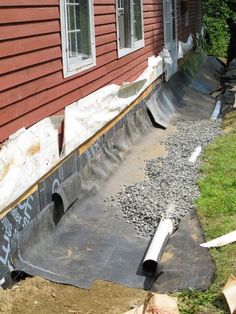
(215,14)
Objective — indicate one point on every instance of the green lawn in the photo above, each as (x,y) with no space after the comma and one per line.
(216,209)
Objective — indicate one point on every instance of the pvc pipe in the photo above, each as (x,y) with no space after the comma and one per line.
(221,241)
(157,245)
(2,281)
(195,154)
(217,110)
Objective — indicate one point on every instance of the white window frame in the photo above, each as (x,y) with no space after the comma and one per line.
(78,65)
(135,44)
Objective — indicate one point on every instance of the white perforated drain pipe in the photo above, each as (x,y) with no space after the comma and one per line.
(157,245)
(2,281)
(234,105)
(216,112)
(195,154)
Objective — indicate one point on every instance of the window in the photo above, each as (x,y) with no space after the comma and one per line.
(78,43)
(169,7)
(185,12)
(130,26)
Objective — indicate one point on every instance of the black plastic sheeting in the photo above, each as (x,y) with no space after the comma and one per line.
(87,242)
(185,264)
(14,221)
(68,236)
(21,215)
(229,86)
(187,94)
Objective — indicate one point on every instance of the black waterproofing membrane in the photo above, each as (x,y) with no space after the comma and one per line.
(184,263)
(187,94)
(65,234)
(229,83)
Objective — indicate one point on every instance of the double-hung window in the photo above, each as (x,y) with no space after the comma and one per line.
(78,42)
(130,26)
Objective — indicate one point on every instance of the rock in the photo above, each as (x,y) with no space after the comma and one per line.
(171,179)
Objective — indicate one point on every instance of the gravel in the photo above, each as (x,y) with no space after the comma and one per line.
(170,190)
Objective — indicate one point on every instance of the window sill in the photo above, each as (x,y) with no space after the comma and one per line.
(125,51)
(67,73)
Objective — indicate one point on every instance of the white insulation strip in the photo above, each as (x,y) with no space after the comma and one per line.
(157,245)
(165,54)
(88,115)
(185,47)
(195,154)
(216,111)
(25,158)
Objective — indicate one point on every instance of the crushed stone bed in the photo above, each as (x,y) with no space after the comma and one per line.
(170,190)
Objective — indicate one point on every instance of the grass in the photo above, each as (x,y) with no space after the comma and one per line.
(216,208)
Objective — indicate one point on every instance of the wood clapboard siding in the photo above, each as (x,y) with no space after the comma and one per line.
(17,30)
(16,15)
(27,3)
(32,85)
(195,19)
(23,45)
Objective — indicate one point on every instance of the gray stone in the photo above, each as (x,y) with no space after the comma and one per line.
(171,179)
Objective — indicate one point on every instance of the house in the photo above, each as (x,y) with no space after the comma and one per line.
(54,53)
(69,59)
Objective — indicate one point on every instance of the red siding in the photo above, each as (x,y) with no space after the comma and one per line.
(31,81)
(195,19)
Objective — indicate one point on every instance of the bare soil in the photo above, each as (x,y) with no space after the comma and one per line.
(229,123)
(40,296)
(132,168)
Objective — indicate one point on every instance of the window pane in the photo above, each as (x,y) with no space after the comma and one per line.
(173,20)
(85,29)
(124,23)
(78,20)
(70,17)
(138,35)
(72,45)
(127,23)
(77,16)
(173,29)
(167,12)
(168,32)
(121,21)
(167,20)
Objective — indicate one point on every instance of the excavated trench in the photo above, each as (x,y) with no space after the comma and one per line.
(126,181)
